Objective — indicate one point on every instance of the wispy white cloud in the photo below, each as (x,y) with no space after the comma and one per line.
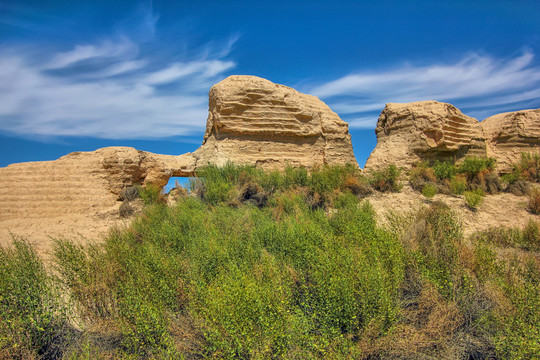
(176,71)
(122,49)
(106,90)
(476,82)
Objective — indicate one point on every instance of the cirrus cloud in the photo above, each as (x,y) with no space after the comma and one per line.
(107,90)
(480,84)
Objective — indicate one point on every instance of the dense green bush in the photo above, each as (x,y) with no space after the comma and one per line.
(527,168)
(150,194)
(473,173)
(444,170)
(472,166)
(458,185)
(386,179)
(234,277)
(33,322)
(429,190)
(473,198)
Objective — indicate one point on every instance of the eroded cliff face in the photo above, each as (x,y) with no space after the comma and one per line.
(251,121)
(431,130)
(510,134)
(82,182)
(254,121)
(425,130)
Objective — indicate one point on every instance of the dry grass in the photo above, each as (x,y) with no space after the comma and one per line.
(421,175)
(534,201)
(357,186)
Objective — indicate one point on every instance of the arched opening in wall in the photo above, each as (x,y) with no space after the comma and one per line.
(177,181)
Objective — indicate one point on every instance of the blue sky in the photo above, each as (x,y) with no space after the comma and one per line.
(80,75)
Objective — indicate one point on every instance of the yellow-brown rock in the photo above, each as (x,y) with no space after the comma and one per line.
(82,182)
(424,130)
(251,121)
(254,121)
(510,134)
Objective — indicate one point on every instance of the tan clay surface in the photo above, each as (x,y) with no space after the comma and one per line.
(254,121)
(424,130)
(510,134)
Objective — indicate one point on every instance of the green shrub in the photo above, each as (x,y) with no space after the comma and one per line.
(473,198)
(444,170)
(328,178)
(286,278)
(437,234)
(458,185)
(527,238)
(518,334)
(472,166)
(295,176)
(33,322)
(528,168)
(150,194)
(479,174)
(420,175)
(429,190)
(142,319)
(531,236)
(386,179)
(345,200)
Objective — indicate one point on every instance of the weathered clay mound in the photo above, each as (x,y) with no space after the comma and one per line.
(510,134)
(82,182)
(425,130)
(251,121)
(254,121)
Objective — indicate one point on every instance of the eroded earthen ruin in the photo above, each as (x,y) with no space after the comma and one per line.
(432,130)
(251,121)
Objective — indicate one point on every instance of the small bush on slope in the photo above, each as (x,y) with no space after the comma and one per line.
(528,168)
(458,185)
(421,175)
(445,170)
(534,201)
(473,173)
(386,179)
(527,238)
(479,173)
(429,190)
(473,198)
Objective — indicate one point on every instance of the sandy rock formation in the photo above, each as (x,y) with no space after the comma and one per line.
(510,134)
(254,121)
(251,121)
(424,130)
(78,193)
(82,182)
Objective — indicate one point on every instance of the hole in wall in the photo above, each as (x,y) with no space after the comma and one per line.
(173,181)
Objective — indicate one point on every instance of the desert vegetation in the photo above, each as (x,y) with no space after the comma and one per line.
(250,264)
(474,177)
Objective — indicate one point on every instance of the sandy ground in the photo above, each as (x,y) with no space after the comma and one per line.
(495,210)
(42,231)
